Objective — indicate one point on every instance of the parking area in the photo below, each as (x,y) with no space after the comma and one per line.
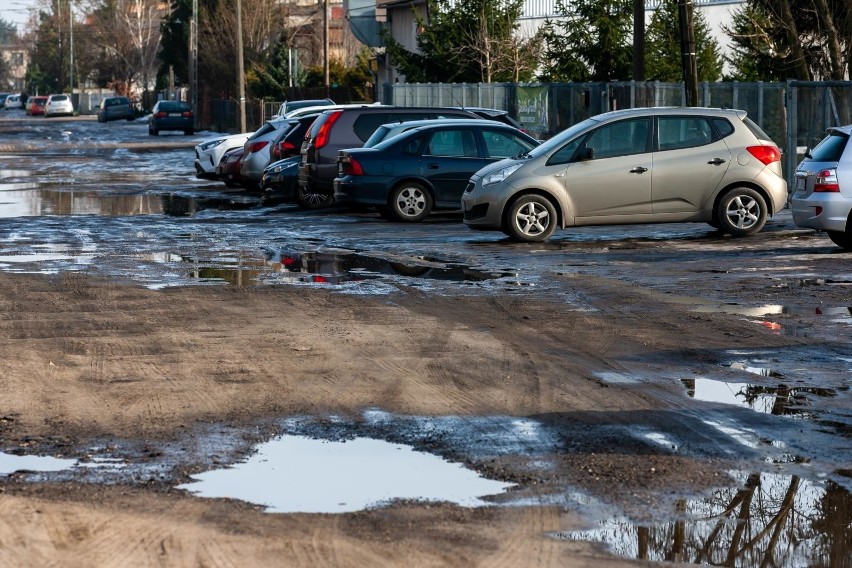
(669,391)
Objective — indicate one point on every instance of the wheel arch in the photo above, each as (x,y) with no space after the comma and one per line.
(557,205)
(750,185)
(407,179)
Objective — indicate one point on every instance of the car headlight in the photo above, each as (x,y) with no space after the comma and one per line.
(501,174)
(279,169)
(211,144)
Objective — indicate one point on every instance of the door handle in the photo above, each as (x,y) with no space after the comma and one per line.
(717,162)
(638,170)
(432,166)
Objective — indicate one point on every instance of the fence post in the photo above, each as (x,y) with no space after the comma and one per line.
(792,128)
(760,103)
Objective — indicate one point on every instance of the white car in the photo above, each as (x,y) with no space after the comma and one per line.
(13,101)
(209,152)
(59,105)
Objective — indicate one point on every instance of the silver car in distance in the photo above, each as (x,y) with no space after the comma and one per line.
(643,165)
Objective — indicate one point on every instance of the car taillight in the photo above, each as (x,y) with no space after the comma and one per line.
(349,166)
(325,130)
(161,114)
(765,154)
(187,114)
(826,181)
(257,146)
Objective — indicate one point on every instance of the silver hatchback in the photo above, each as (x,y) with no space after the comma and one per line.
(644,165)
(823,194)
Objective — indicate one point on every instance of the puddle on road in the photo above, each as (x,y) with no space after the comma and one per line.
(779,400)
(293,474)
(767,520)
(11,463)
(334,268)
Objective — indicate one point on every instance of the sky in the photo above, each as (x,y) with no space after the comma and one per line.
(17,11)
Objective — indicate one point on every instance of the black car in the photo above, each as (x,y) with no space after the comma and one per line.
(280,179)
(407,176)
(171,115)
(343,128)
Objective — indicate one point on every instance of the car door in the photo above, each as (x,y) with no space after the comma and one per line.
(690,161)
(610,173)
(449,158)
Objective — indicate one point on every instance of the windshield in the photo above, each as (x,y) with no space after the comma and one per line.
(830,148)
(549,145)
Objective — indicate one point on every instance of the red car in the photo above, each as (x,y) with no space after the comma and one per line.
(35,106)
(228,169)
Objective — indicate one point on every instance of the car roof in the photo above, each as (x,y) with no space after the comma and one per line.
(645,111)
(846,129)
(299,112)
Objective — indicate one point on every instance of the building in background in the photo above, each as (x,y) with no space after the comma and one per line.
(16,59)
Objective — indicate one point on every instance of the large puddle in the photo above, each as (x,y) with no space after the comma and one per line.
(779,400)
(292,474)
(768,520)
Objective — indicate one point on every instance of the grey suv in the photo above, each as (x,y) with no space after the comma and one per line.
(823,193)
(344,128)
(648,165)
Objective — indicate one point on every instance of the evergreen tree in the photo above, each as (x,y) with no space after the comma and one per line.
(591,42)
(663,60)
(467,41)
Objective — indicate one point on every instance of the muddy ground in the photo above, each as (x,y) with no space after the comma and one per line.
(103,365)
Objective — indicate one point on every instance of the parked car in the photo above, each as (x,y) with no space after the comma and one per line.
(171,115)
(288,142)
(428,167)
(3,97)
(35,106)
(280,179)
(495,114)
(822,197)
(13,101)
(59,105)
(390,130)
(290,106)
(209,153)
(338,129)
(644,165)
(115,108)
(258,147)
(228,169)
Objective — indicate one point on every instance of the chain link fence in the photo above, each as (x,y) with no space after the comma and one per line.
(795,114)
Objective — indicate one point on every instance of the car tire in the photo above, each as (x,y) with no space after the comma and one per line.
(153,131)
(313,199)
(410,202)
(531,219)
(741,211)
(843,239)
(384,213)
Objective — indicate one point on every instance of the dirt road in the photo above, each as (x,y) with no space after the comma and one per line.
(87,360)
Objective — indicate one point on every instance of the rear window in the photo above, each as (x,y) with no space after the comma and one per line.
(830,148)
(59,98)
(756,130)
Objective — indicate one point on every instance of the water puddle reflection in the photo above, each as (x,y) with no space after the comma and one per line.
(767,520)
(779,400)
(333,268)
(293,474)
(11,463)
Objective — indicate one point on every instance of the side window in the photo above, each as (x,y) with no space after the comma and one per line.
(504,144)
(415,146)
(683,132)
(724,127)
(367,122)
(457,143)
(619,139)
(565,153)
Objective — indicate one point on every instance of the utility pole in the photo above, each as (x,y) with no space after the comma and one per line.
(687,50)
(71,51)
(193,61)
(241,78)
(638,40)
(325,67)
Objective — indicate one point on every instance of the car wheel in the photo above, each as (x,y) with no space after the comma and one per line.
(741,212)
(843,239)
(410,202)
(532,218)
(313,199)
(153,131)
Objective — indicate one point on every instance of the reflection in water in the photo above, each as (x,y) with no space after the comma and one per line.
(38,202)
(297,474)
(328,268)
(770,520)
(778,400)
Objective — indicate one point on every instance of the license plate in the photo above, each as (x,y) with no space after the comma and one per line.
(174,114)
(800,184)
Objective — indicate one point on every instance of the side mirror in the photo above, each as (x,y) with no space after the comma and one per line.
(586,153)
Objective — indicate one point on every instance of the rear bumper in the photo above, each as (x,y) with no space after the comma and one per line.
(822,211)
